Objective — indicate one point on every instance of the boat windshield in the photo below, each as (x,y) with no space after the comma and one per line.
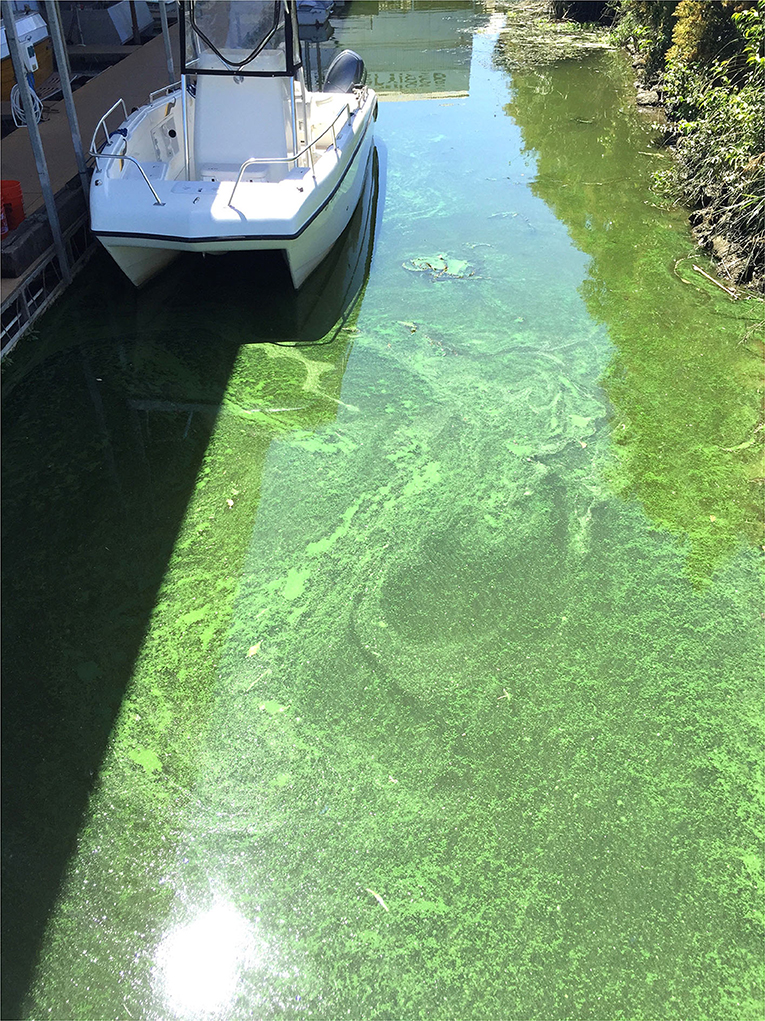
(236,35)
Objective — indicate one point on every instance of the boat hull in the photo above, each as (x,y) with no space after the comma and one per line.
(302,215)
(140,264)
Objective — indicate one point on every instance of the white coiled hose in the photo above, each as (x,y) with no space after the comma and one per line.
(19,118)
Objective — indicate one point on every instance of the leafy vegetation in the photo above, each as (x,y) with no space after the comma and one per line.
(708,62)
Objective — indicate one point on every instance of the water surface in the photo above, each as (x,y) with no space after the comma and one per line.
(395,651)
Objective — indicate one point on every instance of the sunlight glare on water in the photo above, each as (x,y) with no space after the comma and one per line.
(200,964)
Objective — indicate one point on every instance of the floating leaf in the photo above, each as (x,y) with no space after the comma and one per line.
(378,898)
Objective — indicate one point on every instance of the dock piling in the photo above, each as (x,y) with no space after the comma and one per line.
(62,62)
(166,39)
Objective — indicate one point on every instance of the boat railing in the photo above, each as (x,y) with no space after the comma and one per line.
(130,159)
(94,151)
(102,124)
(164,91)
(309,149)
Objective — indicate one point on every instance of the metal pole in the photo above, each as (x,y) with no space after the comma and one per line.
(134,21)
(308,63)
(166,37)
(34,138)
(185,119)
(306,121)
(62,62)
(293,104)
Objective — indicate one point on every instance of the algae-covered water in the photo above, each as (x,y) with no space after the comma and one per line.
(395,650)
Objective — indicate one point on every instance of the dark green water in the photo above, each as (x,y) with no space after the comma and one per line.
(415,669)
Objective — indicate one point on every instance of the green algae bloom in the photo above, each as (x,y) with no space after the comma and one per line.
(383,674)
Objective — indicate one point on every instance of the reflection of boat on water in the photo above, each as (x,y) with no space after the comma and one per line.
(240,156)
(217,293)
(246,329)
(323,305)
(313,12)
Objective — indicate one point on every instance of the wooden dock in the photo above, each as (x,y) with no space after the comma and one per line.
(23,298)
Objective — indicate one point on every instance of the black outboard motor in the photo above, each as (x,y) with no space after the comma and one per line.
(345,73)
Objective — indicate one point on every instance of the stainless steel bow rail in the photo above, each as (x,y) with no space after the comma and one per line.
(119,156)
(164,91)
(308,149)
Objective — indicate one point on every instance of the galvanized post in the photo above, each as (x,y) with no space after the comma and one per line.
(34,138)
(166,38)
(306,121)
(307,62)
(134,22)
(62,62)
(295,138)
(185,123)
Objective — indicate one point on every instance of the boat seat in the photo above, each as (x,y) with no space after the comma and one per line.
(236,121)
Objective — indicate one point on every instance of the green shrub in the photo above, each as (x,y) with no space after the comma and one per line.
(719,143)
(710,66)
(647,25)
(702,33)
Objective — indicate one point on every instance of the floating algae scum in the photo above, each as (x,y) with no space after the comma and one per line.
(416,670)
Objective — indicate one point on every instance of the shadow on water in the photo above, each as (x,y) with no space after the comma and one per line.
(107,413)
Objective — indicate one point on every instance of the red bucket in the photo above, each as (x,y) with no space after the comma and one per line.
(13,203)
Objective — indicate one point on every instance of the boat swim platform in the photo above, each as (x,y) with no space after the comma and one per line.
(24,297)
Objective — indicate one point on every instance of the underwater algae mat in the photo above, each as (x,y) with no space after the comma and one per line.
(458,735)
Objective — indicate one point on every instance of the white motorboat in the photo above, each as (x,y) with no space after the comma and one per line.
(238,155)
